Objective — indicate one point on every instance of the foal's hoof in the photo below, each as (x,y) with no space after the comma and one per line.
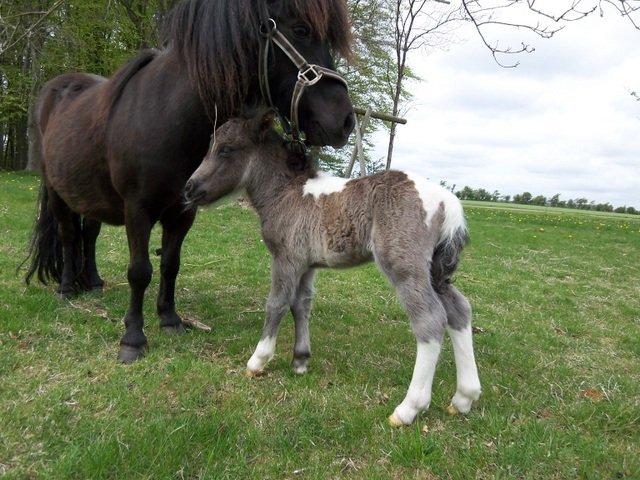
(451,410)
(300,365)
(129,354)
(394,421)
(174,329)
(253,373)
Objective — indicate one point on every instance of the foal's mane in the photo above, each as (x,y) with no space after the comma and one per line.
(219,41)
(288,162)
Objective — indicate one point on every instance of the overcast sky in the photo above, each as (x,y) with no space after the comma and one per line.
(562,122)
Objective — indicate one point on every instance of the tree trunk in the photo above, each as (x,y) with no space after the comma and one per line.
(22,144)
(2,144)
(34,160)
(392,137)
(8,150)
(396,108)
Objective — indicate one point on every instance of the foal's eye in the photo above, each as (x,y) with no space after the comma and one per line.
(225,151)
(301,31)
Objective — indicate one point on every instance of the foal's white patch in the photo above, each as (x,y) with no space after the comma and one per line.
(432,195)
(263,353)
(324,184)
(468,384)
(418,396)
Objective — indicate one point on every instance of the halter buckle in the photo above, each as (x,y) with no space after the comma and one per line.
(303,76)
(268,28)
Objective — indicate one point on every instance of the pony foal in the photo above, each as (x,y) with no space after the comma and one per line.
(413,229)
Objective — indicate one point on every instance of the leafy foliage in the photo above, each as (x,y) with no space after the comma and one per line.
(58,37)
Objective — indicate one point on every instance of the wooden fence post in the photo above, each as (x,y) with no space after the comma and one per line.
(360,128)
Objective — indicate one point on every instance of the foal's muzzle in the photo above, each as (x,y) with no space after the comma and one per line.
(193,193)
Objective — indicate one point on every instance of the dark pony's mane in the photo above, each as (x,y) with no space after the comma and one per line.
(218,40)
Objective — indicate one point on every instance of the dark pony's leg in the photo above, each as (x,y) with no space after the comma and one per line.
(90,278)
(71,238)
(176,222)
(138,223)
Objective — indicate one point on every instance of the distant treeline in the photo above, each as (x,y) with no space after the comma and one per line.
(526,198)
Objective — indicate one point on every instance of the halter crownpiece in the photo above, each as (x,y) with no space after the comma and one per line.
(308,75)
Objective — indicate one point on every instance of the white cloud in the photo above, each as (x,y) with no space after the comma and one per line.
(562,122)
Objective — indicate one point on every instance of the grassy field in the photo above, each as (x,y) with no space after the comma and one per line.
(513,207)
(556,300)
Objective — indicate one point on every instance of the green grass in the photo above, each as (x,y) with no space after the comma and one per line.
(557,298)
(545,209)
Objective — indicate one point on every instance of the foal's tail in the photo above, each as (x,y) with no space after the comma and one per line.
(45,248)
(453,238)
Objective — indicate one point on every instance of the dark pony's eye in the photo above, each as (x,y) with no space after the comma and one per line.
(301,31)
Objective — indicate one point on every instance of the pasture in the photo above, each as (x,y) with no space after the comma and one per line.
(556,298)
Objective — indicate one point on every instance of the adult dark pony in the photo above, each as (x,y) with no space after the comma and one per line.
(120,150)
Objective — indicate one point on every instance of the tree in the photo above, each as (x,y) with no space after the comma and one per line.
(366,75)
(483,195)
(539,200)
(40,39)
(526,198)
(467,193)
(417,24)
(543,20)
(555,200)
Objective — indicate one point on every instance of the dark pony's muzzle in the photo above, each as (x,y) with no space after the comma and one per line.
(309,74)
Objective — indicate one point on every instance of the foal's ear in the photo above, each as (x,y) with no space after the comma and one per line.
(261,124)
(266,122)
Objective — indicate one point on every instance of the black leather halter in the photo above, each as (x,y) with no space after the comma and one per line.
(308,75)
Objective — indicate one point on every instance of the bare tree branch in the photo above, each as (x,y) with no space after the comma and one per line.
(543,22)
(29,30)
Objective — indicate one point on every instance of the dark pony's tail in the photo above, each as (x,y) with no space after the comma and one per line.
(45,248)
(446,257)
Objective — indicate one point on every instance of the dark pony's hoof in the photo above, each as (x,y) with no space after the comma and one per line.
(91,284)
(129,354)
(174,329)
(65,294)
(97,287)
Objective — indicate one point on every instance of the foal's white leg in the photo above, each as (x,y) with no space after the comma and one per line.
(418,396)
(459,327)
(468,384)
(263,353)
(284,280)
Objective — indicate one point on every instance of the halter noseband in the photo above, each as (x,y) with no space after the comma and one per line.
(308,75)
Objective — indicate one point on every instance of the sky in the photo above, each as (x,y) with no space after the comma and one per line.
(561,122)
